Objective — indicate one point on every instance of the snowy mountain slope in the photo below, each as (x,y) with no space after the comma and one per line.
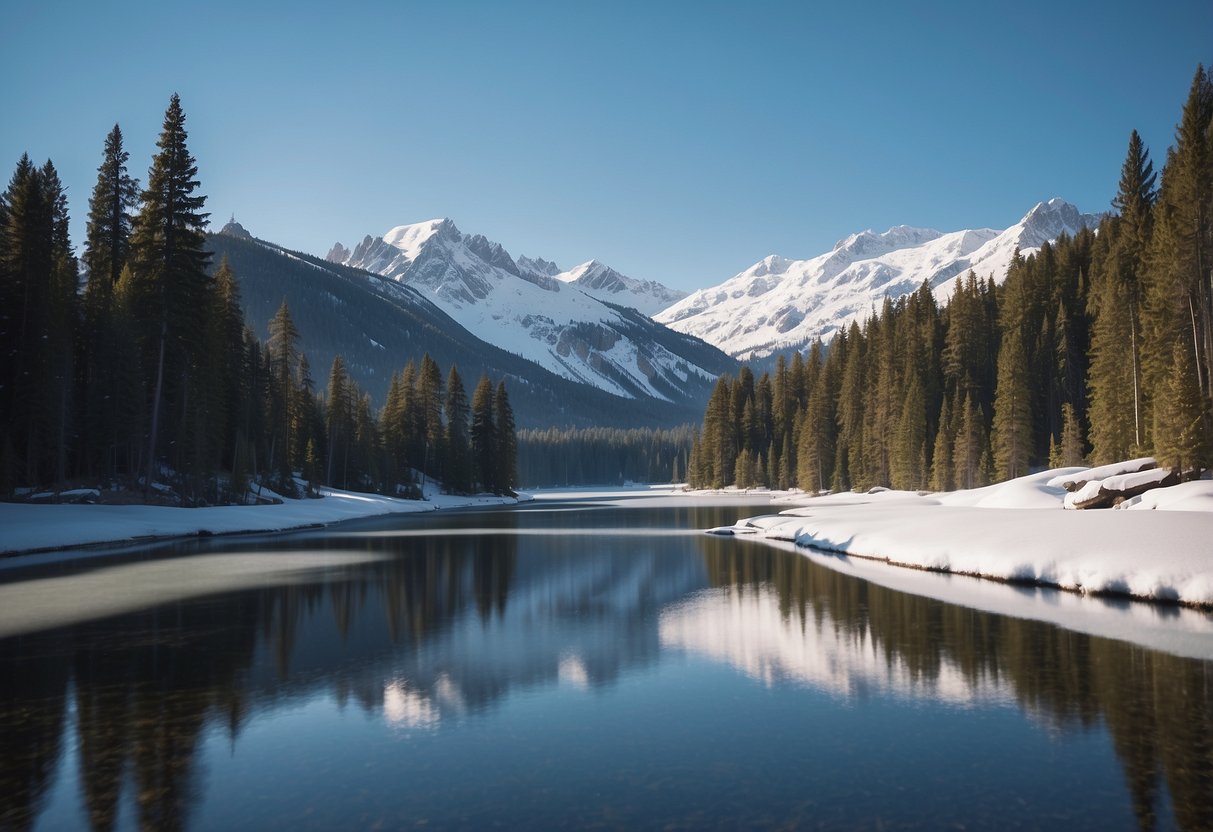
(601,281)
(378,325)
(529,313)
(778,303)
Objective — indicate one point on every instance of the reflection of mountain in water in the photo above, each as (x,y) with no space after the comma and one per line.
(778,616)
(448,625)
(747,629)
(492,623)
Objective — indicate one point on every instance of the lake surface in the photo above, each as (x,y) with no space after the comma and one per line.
(570,665)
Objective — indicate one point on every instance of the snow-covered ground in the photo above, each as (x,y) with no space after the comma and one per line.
(25,527)
(1159,547)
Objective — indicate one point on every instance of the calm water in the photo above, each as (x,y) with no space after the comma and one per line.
(573,665)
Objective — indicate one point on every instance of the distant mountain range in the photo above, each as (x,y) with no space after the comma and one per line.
(779,304)
(378,324)
(582,324)
(588,345)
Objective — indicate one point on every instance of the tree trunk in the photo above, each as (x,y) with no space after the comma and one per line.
(151,445)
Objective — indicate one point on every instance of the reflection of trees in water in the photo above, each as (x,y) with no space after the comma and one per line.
(1158,708)
(33,702)
(148,684)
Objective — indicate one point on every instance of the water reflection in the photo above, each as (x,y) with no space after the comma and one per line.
(779,616)
(426,630)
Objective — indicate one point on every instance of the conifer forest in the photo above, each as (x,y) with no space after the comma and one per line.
(1097,348)
(134,366)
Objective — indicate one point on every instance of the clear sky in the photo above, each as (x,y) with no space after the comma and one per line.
(679,141)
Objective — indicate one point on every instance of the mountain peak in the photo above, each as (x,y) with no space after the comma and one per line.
(338,254)
(536,266)
(235,229)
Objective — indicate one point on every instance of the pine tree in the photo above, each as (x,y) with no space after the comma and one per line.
(1179,300)
(106,251)
(392,430)
(815,453)
(506,440)
(971,446)
(429,412)
(107,241)
(1012,410)
(484,436)
(25,267)
(1070,451)
(941,457)
(168,252)
(1111,378)
(909,456)
(458,459)
(1180,438)
(718,451)
(1117,398)
(339,421)
(283,349)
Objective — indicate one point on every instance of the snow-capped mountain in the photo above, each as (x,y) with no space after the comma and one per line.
(603,282)
(527,311)
(779,303)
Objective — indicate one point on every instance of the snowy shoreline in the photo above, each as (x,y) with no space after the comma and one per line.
(1017,532)
(27,530)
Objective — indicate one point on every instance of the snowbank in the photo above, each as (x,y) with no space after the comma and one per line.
(1015,531)
(25,527)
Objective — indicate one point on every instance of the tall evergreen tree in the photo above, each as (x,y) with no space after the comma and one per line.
(458,458)
(1180,440)
(107,241)
(429,410)
(1070,449)
(910,448)
(168,251)
(971,446)
(106,251)
(507,443)
(283,349)
(1116,383)
(1012,410)
(941,456)
(484,436)
(1179,300)
(339,422)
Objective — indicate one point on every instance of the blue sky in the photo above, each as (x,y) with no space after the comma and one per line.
(673,141)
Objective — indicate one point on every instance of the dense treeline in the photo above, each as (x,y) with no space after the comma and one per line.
(147,373)
(603,456)
(1096,348)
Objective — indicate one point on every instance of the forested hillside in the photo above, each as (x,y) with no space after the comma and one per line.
(1097,348)
(149,377)
(378,325)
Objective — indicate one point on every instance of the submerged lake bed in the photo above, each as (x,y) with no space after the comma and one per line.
(591,662)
